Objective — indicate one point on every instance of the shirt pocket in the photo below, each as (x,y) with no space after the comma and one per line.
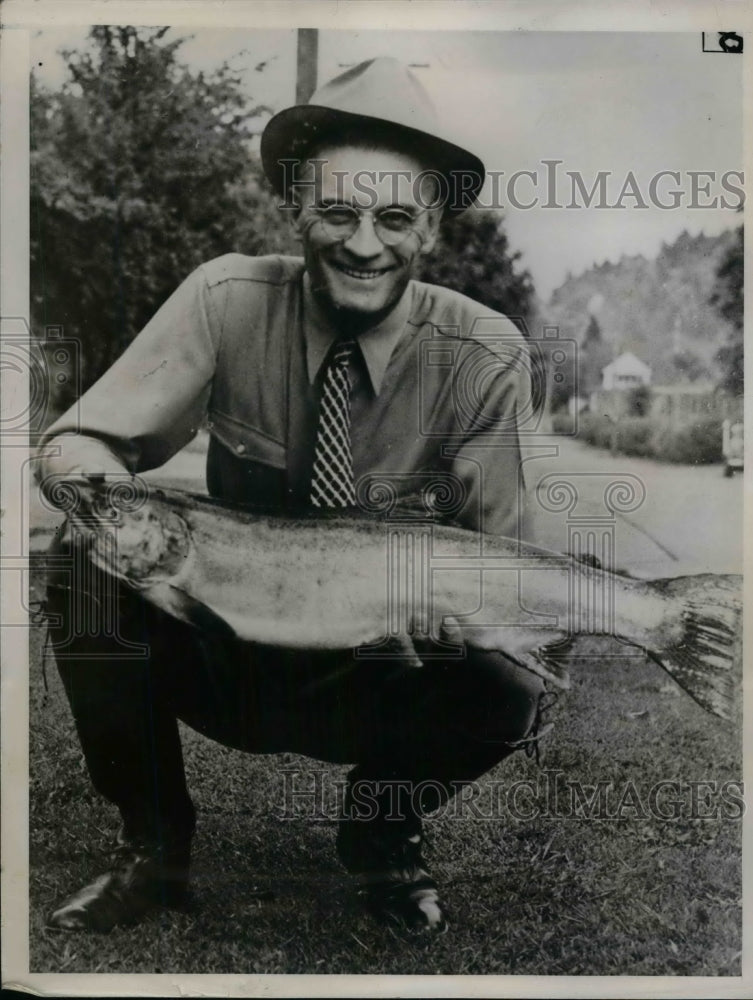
(245,442)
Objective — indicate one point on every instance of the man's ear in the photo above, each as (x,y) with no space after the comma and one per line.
(433,221)
(291,211)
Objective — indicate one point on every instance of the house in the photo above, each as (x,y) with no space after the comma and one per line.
(625,372)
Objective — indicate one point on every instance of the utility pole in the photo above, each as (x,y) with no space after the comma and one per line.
(308,46)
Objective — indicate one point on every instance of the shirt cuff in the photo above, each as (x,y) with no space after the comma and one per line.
(76,455)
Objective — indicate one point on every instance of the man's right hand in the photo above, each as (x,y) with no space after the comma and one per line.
(72,458)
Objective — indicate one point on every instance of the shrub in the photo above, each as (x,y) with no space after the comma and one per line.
(562,423)
(699,443)
(596,429)
(634,437)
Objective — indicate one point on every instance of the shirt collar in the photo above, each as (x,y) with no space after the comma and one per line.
(377,343)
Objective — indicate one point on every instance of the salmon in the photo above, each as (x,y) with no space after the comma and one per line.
(402,587)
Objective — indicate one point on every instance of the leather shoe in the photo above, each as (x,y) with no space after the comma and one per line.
(403,893)
(140,878)
(393,879)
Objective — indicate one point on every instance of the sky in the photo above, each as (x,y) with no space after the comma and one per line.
(616,102)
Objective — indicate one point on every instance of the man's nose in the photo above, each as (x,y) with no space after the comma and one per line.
(364,242)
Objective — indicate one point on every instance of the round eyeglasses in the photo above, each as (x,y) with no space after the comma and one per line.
(392,225)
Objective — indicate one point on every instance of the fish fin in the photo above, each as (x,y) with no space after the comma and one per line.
(706,659)
(588,559)
(452,631)
(539,650)
(592,561)
(394,647)
(399,648)
(545,661)
(404,645)
(187,609)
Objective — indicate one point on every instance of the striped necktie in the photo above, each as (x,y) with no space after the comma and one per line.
(332,476)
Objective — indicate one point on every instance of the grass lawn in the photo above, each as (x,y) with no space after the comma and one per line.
(534,890)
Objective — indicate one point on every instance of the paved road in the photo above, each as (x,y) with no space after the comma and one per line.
(668,519)
(685,519)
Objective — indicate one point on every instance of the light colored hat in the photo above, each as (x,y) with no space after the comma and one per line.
(378,97)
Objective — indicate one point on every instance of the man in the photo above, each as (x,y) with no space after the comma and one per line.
(317,378)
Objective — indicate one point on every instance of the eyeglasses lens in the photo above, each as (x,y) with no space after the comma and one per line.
(391,225)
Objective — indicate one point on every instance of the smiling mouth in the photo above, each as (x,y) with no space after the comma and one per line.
(362,275)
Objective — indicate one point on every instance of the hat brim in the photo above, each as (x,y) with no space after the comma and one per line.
(290,134)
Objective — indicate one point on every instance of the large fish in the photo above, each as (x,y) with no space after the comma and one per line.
(402,588)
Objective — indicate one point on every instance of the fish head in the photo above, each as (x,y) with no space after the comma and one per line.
(151,545)
(128,533)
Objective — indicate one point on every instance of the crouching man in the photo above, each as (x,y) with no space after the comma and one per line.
(315,376)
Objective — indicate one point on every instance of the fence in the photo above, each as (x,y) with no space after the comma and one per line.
(673,405)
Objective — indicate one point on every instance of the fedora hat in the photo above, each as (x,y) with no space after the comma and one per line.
(380,99)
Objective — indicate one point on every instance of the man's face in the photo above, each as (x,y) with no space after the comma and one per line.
(358,272)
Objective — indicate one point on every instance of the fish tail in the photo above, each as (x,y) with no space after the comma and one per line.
(706,659)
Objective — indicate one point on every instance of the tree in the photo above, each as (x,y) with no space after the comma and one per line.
(593,355)
(689,364)
(727,296)
(593,333)
(140,170)
(473,256)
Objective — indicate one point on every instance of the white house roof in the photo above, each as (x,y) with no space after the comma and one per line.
(627,363)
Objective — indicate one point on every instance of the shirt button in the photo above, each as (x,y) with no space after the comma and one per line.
(240,448)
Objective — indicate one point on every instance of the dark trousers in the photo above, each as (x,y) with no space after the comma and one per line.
(447,722)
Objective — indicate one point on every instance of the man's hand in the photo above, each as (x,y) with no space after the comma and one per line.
(74,462)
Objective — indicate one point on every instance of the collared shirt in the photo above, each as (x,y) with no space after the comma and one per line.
(441,389)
